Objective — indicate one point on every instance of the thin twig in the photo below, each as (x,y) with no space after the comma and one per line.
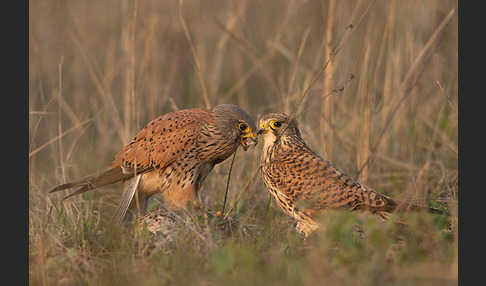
(94,74)
(334,52)
(406,90)
(40,113)
(217,68)
(38,149)
(297,60)
(228,181)
(251,51)
(59,120)
(194,55)
(427,46)
(252,179)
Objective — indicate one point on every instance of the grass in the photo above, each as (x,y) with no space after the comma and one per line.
(100,70)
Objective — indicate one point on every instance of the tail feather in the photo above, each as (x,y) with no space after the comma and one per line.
(405,207)
(378,203)
(110,176)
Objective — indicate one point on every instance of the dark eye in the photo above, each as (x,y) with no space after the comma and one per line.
(243,126)
(275,124)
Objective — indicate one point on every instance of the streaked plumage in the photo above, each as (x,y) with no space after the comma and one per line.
(173,154)
(303,183)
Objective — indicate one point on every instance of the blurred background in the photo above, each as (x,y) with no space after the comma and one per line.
(380,78)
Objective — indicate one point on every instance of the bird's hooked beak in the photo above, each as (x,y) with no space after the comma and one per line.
(248,139)
(262,129)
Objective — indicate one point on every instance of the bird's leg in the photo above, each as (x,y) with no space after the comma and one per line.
(306,227)
(305,223)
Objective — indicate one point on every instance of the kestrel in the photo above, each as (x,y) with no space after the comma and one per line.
(304,184)
(173,155)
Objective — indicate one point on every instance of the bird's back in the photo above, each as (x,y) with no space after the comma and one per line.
(311,183)
(163,139)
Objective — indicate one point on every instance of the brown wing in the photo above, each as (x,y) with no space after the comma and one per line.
(163,140)
(156,146)
(313,184)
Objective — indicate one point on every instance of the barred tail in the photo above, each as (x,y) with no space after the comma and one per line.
(110,176)
(394,206)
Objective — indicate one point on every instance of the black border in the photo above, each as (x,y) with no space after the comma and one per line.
(15,143)
(471,142)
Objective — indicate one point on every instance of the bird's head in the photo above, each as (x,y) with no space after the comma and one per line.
(237,123)
(274,125)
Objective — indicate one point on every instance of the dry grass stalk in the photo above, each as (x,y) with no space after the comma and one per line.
(326,132)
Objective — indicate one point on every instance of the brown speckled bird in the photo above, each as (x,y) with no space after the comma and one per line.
(173,155)
(304,184)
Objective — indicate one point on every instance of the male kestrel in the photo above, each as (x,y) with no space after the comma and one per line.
(173,155)
(295,175)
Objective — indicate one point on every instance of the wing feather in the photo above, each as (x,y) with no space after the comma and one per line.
(129,190)
(163,140)
(314,184)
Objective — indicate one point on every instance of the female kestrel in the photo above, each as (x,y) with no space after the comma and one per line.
(303,183)
(173,155)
